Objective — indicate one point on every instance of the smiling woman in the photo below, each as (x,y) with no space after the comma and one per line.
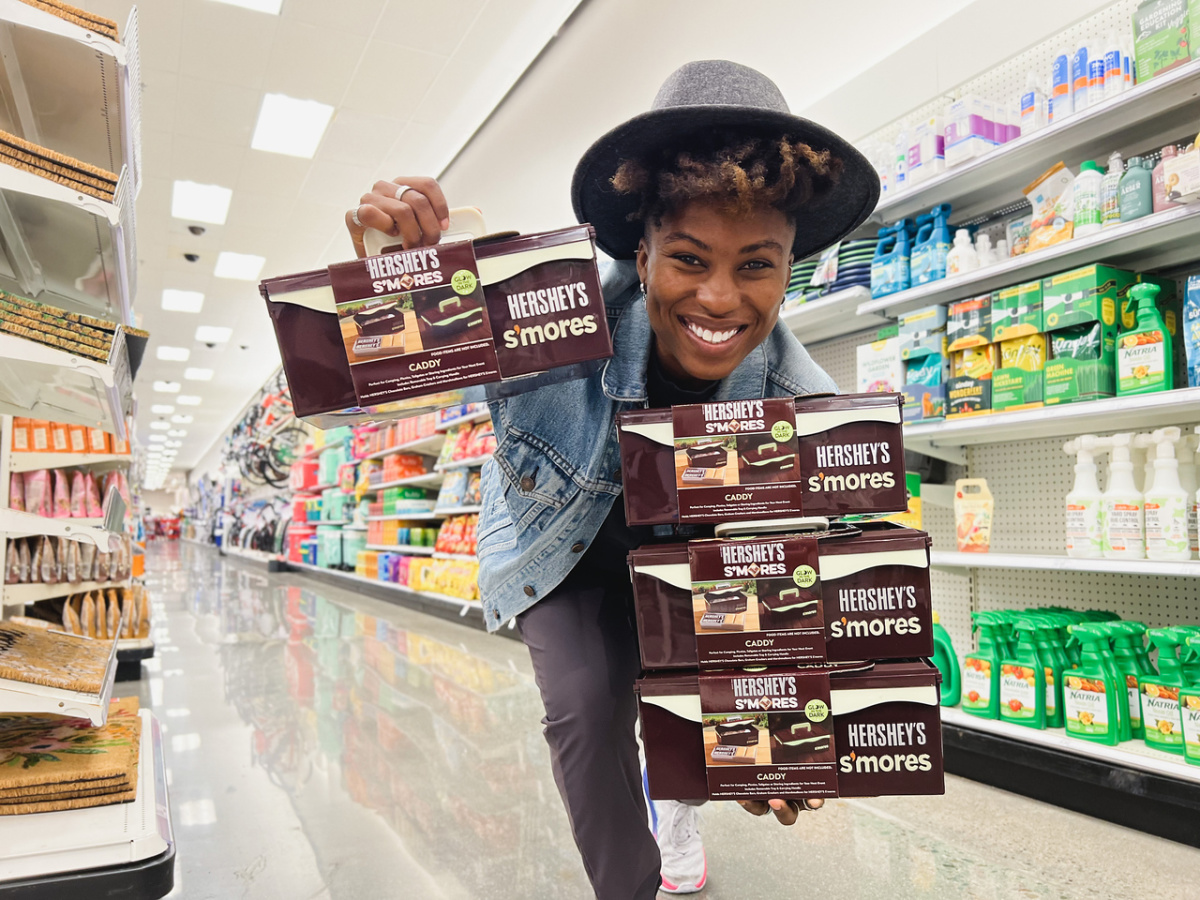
(703,202)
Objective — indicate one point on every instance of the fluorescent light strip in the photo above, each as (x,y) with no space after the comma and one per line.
(271,7)
(239,266)
(213,334)
(188,400)
(182,301)
(290,126)
(173,354)
(167,387)
(195,202)
(160,426)
(162,409)
(197,374)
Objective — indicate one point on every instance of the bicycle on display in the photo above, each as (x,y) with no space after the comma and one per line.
(265,442)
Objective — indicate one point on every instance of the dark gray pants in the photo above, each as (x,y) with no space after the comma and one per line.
(585,659)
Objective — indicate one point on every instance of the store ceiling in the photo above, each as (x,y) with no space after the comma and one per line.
(410,82)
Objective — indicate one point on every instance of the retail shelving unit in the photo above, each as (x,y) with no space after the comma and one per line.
(831,316)
(1020,453)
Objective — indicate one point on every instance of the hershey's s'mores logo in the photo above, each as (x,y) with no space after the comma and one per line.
(734,416)
(404,271)
(744,559)
(559,299)
(765,692)
(863,456)
(867,739)
(892,598)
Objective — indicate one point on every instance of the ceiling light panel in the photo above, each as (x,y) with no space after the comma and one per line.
(187,400)
(173,444)
(167,387)
(182,301)
(213,334)
(160,426)
(290,126)
(183,420)
(162,409)
(173,354)
(200,202)
(239,266)
(271,7)
(158,438)
(197,374)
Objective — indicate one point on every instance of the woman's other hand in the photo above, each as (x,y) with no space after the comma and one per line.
(412,208)
(786,811)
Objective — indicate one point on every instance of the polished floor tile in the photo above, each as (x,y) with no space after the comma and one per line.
(326,745)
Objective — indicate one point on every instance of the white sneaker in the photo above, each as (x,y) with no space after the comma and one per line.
(684,865)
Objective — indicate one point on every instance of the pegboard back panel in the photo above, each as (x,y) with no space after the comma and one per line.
(1004,83)
(839,357)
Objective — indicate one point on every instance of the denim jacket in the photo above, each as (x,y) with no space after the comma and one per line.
(557,468)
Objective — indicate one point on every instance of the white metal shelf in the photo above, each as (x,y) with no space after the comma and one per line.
(410,517)
(24,594)
(1134,413)
(468,463)
(78,840)
(462,606)
(465,420)
(1167,238)
(1134,754)
(21,524)
(429,478)
(428,445)
(45,383)
(996,179)
(457,511)
(32,462)
(24,697)
(831,316)
(410,549)
(457,557)
(953,560)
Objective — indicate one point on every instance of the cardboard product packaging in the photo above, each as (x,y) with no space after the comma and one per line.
(922,332)
(874,601)
(1018,383)
(924,391)
(1081,309)
(969,323)
(1017,311)
(879,366)
(1160,37)
(969,390)
(878,733)
(849,450)
(512,313)
(1181,173)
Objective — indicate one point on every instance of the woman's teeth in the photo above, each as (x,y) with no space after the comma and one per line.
(712,337)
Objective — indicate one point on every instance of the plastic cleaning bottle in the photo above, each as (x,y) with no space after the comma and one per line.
(1114,66)
(1110,191)
(1189,654)
(1158,181)
(1127,641)
(1166,503)
(1091,698)
(1023,688)
(1097,74)
(1109,660)
(1085,534)
(946,661)
(1060,86)
(962,257)
(1033,106)
(1161,716)
(932,246)
(1079,78)
(890,267)
(1136,195)
(1087,198)
(983,250)
(1145,359)
(1189,714)
(1121,506)
(1045,637)
(981,669)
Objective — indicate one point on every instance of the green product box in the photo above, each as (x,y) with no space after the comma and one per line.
(923,331)
(1017,389)
(1080,308)
(967,396)
(969,323)
(1017,311)
(1193,24)
(1170,304)
(923,402)
(1160,37)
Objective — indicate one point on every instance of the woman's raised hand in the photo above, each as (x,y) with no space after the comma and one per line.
(786,811)
(412,208)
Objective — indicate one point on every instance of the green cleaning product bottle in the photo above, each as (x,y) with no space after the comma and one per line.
(1189,711)
(1130,654)
(1189,654)
(981,669)
(1023,678)
(1091,698)
(1160,693)
(1108,659)
(1144,358)
(946,661)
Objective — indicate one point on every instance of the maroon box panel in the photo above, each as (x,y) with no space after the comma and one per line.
(893,748)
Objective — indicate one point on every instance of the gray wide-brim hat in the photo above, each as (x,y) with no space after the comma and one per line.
(695,100)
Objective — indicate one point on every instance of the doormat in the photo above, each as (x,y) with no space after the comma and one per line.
(52,659)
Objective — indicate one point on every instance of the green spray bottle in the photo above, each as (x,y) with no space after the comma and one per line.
(1161,717)
(1054,660)
(946,661)
(1023,677)
(1189,712)
(1189,654)
(1091,697)
(1108,659)
(1133,663)
(981,669)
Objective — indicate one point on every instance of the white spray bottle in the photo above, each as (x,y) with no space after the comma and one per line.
(1085,534)
(1121,504)
(1167,502)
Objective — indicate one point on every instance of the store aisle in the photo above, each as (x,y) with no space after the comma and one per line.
(325,745)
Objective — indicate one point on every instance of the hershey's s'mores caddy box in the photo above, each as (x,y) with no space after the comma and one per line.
(763,459)
(792,732)
(403,331)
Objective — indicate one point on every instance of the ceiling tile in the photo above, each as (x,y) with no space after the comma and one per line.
(217,112)
(159,101)
(312,62)
(357,16)
(205,161)
(354,137)
(226,44)
(433,27)
(391,80)
(272,173)
(337,184)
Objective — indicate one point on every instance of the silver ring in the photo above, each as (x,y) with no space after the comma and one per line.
(400,189)
(354,216)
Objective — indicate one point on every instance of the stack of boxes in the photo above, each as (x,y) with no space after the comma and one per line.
(1035,344)
(781,662)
